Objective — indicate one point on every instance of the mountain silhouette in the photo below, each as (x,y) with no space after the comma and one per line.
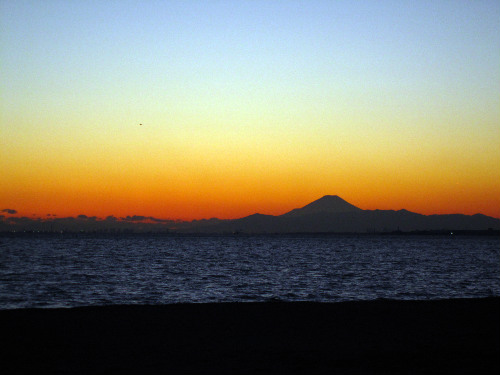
(332,214)
(329,214)
(326,204)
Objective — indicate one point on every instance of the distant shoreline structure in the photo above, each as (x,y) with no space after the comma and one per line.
(327,215)
(444,233)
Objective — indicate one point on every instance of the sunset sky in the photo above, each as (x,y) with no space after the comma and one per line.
(248,106)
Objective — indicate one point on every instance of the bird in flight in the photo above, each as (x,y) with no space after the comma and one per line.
(140,124)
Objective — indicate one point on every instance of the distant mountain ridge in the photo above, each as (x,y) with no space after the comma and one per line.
(326,204)
(332,214)
(329,214)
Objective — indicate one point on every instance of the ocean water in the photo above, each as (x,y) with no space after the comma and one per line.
(102,270)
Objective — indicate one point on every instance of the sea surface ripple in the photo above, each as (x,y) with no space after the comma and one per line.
(73,271)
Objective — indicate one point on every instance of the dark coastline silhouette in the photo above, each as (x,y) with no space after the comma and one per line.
(329,214)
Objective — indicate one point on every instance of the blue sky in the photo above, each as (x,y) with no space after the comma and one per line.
(301,87)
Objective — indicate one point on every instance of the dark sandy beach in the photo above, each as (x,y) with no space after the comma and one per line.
(415,337)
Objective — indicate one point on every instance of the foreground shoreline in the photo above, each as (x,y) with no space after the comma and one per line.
(458,336)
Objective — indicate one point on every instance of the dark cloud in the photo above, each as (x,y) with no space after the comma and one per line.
(110,224)
(135,218)
(145,218)
(159,220)
(9,211)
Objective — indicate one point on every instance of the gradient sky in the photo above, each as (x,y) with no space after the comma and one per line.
(248,106)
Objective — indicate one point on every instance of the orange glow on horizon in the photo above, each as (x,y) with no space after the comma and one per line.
(232,208)
(388,108)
